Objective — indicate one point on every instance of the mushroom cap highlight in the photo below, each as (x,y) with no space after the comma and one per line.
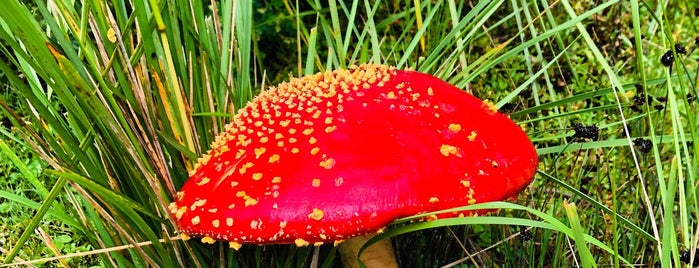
(339,154)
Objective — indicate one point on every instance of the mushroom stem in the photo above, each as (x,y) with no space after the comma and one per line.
(380,254)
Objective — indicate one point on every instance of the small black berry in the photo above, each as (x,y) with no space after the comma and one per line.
(525,234)
(640,99)
(639,87)
(667,58)
(659,107)
(644,145)
(661,99)
(679,48)
(685,257)
(585,132)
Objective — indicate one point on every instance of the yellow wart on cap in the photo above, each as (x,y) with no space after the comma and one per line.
(327,163)
(203,181)
(317,214)
(300,242)
(208,240)
(235,245)
(472,136)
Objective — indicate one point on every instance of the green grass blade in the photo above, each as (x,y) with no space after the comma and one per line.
(36,219)
(579,235)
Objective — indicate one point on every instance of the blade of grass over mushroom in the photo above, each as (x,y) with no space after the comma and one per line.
(548,222)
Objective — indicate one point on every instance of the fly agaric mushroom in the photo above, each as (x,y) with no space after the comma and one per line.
(340,154)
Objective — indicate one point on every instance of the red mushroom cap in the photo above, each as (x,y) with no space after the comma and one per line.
(339,154)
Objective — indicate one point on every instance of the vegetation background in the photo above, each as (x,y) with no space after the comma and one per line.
(106,104)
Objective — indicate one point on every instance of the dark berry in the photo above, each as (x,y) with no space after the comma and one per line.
(685,257)
(640,99)
(659,107)
(525,234)
(667,58)
(639,87)
(585,132)
(679,49)
(644,145)
(661,99)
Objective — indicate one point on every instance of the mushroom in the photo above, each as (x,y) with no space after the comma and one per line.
(341,154)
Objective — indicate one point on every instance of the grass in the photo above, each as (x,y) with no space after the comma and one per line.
(110,105)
